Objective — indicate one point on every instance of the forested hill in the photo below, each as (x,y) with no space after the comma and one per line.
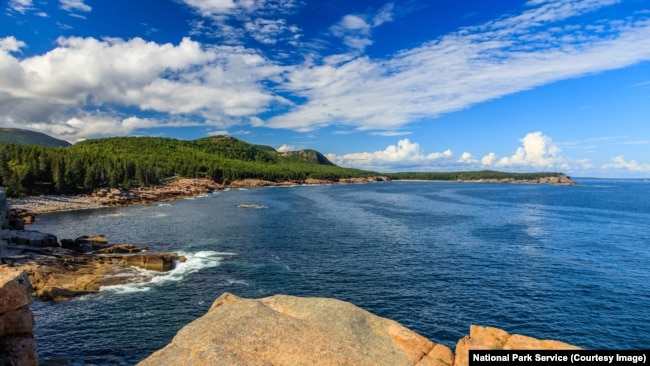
(143,161)
(26,137)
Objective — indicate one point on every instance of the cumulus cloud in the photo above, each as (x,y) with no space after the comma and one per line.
(86,126)
(618,162)
(543,44)
(467,158)
(537,151)
(285,148)
(219,85)
(488,159)
(10,44)
(404,154)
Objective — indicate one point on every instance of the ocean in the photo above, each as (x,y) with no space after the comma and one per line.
(570,263)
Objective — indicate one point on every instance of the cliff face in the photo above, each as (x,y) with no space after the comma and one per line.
(286,330)
(17,347)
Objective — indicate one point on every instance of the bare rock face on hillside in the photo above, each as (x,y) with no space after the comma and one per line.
(287,330)
(17,347)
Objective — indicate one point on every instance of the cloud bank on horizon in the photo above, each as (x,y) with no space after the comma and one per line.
(271,66)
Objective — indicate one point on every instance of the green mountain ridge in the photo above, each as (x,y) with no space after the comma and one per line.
(127,162)
(29,168)
(27,137)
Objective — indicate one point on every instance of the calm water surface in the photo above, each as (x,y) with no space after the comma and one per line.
(567,263)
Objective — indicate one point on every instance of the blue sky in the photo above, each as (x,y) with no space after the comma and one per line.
(530,85)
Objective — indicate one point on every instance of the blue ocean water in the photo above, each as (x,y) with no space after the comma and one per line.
(554,262)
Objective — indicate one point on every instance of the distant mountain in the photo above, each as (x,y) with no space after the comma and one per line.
(26,137)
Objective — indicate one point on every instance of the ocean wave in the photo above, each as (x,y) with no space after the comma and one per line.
(145,280)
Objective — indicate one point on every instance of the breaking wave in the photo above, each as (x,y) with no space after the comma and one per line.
(144,280)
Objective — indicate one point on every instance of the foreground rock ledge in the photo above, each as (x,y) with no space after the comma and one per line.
(287,330)
(17,347)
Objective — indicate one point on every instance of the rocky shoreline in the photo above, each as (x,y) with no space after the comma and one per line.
(288,330)
(185,187)
(278,330)
(171,190)
(61,270)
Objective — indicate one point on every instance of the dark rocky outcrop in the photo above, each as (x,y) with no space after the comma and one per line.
(17,346)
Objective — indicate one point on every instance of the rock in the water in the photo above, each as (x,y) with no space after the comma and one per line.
(156,262)
(122,249)
(99,239)
(16,319)
(286,330)
(29,237)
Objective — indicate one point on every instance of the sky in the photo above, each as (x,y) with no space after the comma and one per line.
(403,85)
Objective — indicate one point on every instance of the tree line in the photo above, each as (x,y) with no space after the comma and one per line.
(127,162)
(470,175)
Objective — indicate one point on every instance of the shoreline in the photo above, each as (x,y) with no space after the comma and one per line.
(193,187)
(51,203)
(177,189)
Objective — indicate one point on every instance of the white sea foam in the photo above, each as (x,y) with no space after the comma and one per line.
(145,280)
(231,282)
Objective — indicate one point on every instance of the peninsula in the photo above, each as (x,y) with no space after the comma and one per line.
(126,170)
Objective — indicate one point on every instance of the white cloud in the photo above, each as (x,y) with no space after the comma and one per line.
(456,71)
(218,133)
(212,7)
(269,31)
(20,6)
(11,44)
(488,159)
(234,20)
(537,151)
(618,162)
(467,158)
(220,86)
(385,14)
(355,30)
(390,133)
(74,5)
(404,154)
(92,126)
(285,148)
